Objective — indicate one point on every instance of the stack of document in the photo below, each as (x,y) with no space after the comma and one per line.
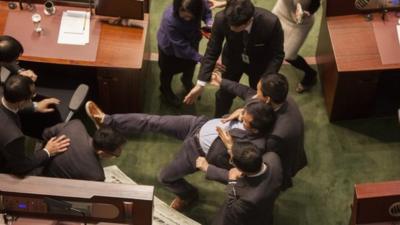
(74,28)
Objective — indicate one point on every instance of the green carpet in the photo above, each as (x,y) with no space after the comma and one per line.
(339,154)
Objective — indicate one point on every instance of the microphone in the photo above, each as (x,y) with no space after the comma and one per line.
(51,202)
(77,100)
(57,203)
(361,4)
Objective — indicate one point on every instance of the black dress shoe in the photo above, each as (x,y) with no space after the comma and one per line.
(309,81)
(170,98)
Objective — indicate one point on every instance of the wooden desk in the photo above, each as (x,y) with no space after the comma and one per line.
(372,202)
(350,67)
(118,70)
(31,192)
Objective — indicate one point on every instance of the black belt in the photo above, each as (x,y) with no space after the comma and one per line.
(199,149)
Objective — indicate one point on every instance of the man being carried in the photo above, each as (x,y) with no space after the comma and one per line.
(287,137)
(199,136)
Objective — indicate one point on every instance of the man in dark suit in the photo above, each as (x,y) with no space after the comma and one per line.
(17,94)
(287,137)
(252,188)
(82,160)
(32,123)
(253,45)
(199,136)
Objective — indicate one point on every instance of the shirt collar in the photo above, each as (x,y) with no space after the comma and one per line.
(262,171)
(248,28)
(3,101)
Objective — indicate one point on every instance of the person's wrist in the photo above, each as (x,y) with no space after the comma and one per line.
(201,83)
(47,151)
(35,105)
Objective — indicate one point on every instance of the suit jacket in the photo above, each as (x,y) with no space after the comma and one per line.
(218,154)
(264,47)
(80,161)
(251,199)
(13,158)
(287,137)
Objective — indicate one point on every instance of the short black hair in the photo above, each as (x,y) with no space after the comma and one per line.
(275,86)
(18,88)
(246,157)
(195,7)
(238,12)
(263,114)
(107,139)
(10,49)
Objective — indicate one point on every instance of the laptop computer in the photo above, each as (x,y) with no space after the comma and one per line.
(130,9)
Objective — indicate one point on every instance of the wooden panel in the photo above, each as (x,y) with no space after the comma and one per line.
(372,201)
(340,7)
(140,196)
(354,44)
(350,66)
(120,90)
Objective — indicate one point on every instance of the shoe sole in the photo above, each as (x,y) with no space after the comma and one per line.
(89,115)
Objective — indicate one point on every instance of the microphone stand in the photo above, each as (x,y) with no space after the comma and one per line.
(64,206)
(90,7)
(384,10)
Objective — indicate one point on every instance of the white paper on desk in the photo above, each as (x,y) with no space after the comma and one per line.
(74,28)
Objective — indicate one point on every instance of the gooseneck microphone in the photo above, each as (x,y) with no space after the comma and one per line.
(66,206)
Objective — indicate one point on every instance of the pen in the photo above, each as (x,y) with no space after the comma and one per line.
(84,22)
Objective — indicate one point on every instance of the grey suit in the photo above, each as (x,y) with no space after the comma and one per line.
(13,158)
(185,128)
(287,137)
(80,161)
(251,199)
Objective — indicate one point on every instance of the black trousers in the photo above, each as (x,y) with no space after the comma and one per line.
(182,127)
(171,65)
(234,71)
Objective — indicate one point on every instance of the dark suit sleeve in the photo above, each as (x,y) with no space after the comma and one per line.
(53,131)
(207,14)
(242,91)
(274,144)
(214,48)
(276,48)
(237,211)
(315,4)
(217,174)
(18,162)
(182,47)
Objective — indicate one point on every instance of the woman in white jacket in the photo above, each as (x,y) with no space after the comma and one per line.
(297,19)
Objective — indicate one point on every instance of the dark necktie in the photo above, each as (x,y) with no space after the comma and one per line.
(245,39)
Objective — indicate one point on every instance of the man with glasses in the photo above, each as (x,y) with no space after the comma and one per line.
(200,138)
(82,160)
(17,95)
